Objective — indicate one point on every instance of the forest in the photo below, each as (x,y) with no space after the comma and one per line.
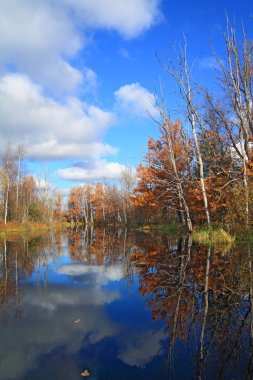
(25,198)
(198,172)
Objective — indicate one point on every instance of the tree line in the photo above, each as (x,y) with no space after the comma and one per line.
(103,203)
(24,198)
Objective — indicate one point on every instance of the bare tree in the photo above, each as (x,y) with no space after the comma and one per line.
(181,72)
(20,155)
(127,181)
(235,112)
(8,179)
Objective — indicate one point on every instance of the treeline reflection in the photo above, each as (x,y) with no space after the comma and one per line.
(20,259)
(203,294)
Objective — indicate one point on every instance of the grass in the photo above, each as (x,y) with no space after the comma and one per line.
(212,236)
(27,229)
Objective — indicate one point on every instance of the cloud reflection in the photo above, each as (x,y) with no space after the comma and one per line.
(140,347)
(102,275)
(48,320)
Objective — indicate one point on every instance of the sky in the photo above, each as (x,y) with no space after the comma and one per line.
(78,77)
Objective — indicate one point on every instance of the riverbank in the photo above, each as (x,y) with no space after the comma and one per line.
(200,235)
(11,229)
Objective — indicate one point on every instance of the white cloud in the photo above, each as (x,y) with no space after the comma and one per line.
(53,149)
(59,76)
(100,169)
(39,52)
(111,14)
(135,100)
(48,128)
(40,37)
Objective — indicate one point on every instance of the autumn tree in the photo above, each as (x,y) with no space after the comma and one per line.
(152,199)
(179,151)
(27,198)
(164,180)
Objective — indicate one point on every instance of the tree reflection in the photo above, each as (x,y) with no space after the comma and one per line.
(102,247)
(205,297)
(19,259)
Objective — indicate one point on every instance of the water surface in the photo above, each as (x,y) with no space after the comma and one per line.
(124,305)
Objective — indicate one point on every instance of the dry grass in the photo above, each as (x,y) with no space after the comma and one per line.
(13,230)
(212,237)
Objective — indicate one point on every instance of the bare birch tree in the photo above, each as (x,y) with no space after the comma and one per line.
(20,155)
(181,73)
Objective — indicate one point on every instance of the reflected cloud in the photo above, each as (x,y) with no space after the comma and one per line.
(140,348)
(49,322)
(102,275)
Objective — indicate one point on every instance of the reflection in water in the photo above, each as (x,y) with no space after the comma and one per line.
(205,297)
(76,298)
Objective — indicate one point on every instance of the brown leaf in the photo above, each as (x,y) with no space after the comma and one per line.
(85,373)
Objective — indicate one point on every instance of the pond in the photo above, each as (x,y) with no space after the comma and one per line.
(118,304)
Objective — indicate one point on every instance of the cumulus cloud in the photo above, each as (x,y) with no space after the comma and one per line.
(38,38)
(111,14)
(99,169)
(39,63)
(41,37)
(48,128)
(135,100)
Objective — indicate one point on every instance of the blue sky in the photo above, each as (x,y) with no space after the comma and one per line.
(77,76)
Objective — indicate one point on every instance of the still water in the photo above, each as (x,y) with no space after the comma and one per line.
(124,305)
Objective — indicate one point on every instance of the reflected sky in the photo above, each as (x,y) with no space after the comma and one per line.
(72,312)
(124,305)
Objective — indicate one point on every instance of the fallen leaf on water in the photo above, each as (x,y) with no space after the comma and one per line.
(77,321)
(85,373)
